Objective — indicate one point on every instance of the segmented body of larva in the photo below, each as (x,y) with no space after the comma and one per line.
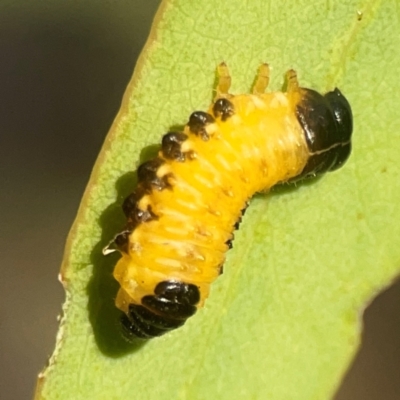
(183,212)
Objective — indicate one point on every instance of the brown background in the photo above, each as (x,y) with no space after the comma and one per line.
(64,66)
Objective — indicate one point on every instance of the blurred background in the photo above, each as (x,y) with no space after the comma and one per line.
(64,67)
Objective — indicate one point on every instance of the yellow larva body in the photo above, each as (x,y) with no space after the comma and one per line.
(193,199)
(261,145)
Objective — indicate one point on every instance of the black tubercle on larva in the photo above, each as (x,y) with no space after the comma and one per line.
(172,303)
(327,124)
(130,203)
(165,307)
(147,181)
(132,211)
(223,109)
(178,292)
(171,146)
(133,328)
(147,175)
(198,122)
(155,320)
(145,324)
(135,217)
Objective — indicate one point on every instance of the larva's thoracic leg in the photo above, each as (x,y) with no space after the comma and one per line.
(262,79)
(292,82)
(224,81)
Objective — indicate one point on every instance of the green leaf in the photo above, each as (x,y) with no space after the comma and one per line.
(284,320)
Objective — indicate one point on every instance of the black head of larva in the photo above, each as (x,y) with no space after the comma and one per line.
(327,123)
(168,308)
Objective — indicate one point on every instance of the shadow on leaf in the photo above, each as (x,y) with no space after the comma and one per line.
(102,288)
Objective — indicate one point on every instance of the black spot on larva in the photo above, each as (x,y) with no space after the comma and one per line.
(147,170)
(168,308)
(130,203)
(223,108)
(130,330)
(147,175)
(172,303)
(171,146)
(198,122)
(133,327)
(136,217)
(140,322)
(155,320)
(173,299)
(134,213)
(178,292)
(327,124)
